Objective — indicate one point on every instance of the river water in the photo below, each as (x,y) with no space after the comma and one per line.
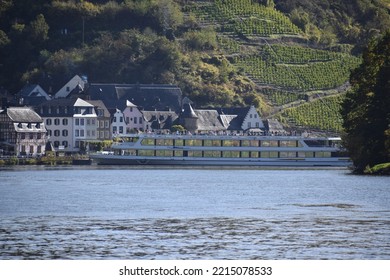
(169,213)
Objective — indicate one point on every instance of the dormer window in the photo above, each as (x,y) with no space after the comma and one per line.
(20,125)
(38,125)
(29,125)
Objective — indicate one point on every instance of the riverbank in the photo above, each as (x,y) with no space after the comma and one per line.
(379,169)
(46,160)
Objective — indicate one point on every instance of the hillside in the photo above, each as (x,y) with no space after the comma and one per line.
(289,58)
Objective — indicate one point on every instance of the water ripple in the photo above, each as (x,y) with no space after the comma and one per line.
(48,237)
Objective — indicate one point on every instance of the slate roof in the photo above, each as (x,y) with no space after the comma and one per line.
(146,97)
(23,114)
(99,104)
(160,119)
(208,120)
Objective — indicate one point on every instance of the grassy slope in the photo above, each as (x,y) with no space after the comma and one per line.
(276,55)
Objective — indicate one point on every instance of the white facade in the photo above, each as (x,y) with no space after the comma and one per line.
(84,122)
(118,124)
(59,130)
(252,120)
(133,118)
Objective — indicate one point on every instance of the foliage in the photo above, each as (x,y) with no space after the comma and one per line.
(321,114)
(366,109)
(327,21)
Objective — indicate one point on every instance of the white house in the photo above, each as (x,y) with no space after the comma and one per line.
(76,81)
(118,124)
(252,120)
(133,117)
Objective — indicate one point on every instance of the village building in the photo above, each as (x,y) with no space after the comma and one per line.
(134,118)
(31,95)
(70,123)
(76,84)
(103,123)
(118,123)
(22,132)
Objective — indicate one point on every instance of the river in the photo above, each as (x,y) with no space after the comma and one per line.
(176,213)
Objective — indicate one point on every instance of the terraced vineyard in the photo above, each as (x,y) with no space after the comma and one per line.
(321,114)
(298,68)
(244,17)
(287,73)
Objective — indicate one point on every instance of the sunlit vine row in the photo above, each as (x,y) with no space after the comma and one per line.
(245,17)
(320,114)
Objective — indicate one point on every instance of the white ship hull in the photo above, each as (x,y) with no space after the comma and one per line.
(129,160)
(204,150)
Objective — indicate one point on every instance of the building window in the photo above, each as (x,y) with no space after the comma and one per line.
(249,124)
(39,149)
(22,136)
(58,110)
(48,122)
(64,121)
(65,143)
(56,144)
(88,122)
(140,120)
(56,133)
(114,120)
(121,119)
(93,121)
(39,136)
(31,149)
(31,135)
(49,132)
(77,121)
(77,133)
(107,136)
(81,133)
(82,122)
(107,124)
(65,133)
(135,120)
(121,129)
(56,121)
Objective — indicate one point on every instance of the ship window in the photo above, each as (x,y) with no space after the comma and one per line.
(245,143)
(301,154)
(231,143)
(164,153)
(288,154)
(254,143)
(195,153)
(195,142)
(254,154)
(212,154)
(207,143)
(147,153)
(245,154)
(148,142)
(164,142)
(178,153)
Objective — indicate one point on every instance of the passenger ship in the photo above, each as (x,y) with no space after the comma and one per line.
(224,150)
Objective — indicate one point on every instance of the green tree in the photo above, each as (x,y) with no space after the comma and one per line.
(366,109)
